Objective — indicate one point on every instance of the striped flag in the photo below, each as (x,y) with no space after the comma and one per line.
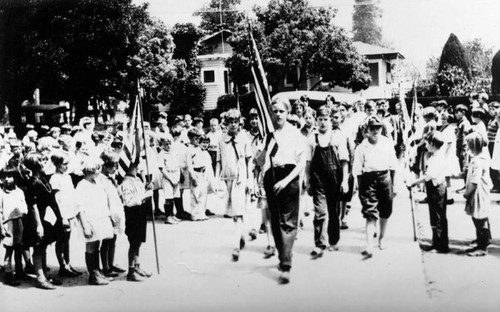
(262,97)
(262,94)
(133,143)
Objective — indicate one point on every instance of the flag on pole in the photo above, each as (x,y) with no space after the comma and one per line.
(262,94)
(133,142)
(262,97)
(406,116)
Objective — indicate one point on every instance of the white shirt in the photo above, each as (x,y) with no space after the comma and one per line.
(291,146)
(436,171)
(370,157)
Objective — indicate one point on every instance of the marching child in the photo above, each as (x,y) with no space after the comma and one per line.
(477,192)
(171,170)
(233,167)
(12,209)
(436,187)
(374,168)
(134,195)
(64,190)
(326,177)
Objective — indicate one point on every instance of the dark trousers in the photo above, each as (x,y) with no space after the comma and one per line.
(284,211)
(436,197)
(494,174)
(482,233)
(326,211)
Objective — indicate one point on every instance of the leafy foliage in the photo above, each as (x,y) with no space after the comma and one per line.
(72,50)
(495,73)
(454,54)
(364,22)
(224,15)
(293,36)
(188,92)
(480,58)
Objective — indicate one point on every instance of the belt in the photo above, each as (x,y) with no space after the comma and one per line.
(199,169)
(287,166)
(380,172)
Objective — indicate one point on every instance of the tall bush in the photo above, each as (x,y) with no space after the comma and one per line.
(495,73)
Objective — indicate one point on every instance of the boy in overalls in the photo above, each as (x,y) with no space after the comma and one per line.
(326,178)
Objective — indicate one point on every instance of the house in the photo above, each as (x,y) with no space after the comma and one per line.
(381,63)
(214,73)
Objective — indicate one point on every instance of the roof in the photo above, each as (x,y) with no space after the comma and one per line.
(216,34)
(373,50)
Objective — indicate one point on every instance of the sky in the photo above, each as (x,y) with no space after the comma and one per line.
(418,29)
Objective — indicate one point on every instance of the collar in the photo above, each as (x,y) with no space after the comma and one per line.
(228,138)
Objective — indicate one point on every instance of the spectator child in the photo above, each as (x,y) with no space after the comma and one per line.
(198,162)
(12,209)
(95,217)
(171,170)
(477,192)
(133,193)
(435,184)
(64,190)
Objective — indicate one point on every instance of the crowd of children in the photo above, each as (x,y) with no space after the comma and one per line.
(315,158)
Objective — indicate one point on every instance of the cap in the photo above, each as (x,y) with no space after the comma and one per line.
(66,127)
(55,129)
(85,120)
(30,127)
(253,112)
(374,121)
(163,115)
(44,127)
(109,123)
(32,134)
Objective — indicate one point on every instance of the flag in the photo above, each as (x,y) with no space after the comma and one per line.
(406,117)
(262,97)
(133,142)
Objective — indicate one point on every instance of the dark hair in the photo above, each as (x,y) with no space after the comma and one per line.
(435,138)
(304,98)
(109,157)
(193,132)
(33,162)
(58,158)
(461,108)
(324,111)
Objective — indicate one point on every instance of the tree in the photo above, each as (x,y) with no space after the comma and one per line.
(72,50)
(188,91)
(454,54)
(495,73)
(224,15)
(292,36)
(479,57)
(152,65)
(364,22)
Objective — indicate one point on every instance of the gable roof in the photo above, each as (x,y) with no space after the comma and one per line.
(372,51)
(207,37)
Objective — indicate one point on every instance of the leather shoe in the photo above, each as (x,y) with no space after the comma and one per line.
(284,277)
(44,284)
(109,273)
(253,234)
(117,269)
(236,254)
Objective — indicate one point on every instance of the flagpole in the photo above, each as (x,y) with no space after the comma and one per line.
(148,177)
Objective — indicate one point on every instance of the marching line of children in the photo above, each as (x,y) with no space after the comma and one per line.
(32,185)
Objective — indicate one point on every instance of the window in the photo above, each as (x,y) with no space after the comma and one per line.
(374,74)
(291,77)
(388,73)
(226,82)
(209,76)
